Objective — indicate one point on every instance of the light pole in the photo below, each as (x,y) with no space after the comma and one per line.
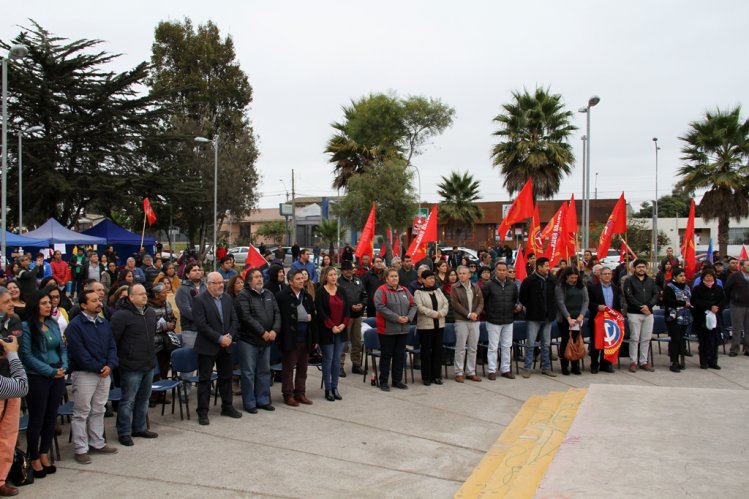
(655,204)
(582,196)
(21,133)
(586,193)
(203,140)
(15,52)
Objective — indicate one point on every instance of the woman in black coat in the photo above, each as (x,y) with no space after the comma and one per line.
(707,295)
(333,316)
(677,302)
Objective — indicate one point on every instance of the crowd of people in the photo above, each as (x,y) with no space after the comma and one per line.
(96,323)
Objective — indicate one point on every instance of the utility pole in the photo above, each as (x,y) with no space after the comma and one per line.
(293,207)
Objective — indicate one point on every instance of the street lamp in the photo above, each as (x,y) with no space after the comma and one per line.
(21,133)
(214,142)
(655,204)
(586,175)
(15,52)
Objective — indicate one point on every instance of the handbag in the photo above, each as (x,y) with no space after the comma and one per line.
(575,348)
(21,473)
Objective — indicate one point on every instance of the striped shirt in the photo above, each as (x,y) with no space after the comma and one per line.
(16,385)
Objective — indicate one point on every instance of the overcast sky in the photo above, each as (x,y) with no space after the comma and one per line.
(655,65)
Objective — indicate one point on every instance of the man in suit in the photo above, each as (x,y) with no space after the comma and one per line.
(602,294)
(216,322)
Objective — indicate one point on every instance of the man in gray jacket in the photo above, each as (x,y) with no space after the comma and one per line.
(259,322)
(468,303)
(500,304)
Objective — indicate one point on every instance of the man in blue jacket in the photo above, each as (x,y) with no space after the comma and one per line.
(92,355)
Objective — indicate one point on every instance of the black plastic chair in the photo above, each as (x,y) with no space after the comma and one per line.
(371,350)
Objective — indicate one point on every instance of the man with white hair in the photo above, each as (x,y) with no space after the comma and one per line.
(216,322)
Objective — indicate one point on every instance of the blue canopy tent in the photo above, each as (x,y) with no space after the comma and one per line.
(125,242)
(14,241)
(54,233)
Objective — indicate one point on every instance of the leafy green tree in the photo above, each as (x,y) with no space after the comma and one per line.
(715,154)
(390,185)
(458,206)
(274,230)
(383,127)
(533,142)
(674,205)
(196,77)
(89,154)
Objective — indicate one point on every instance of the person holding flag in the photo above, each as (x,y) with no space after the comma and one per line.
(602,295)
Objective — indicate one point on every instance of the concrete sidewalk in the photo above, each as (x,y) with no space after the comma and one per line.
(422,442)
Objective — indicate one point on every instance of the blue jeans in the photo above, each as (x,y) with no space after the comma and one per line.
(133,408)
(254,362)
(331,366)
(533,328)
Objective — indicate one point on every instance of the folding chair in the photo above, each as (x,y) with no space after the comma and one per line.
(184,363)
(519,340)
(371,350)
(413,347)
(448,342)
(164,385)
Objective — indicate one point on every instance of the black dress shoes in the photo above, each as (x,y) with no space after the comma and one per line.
(231,412)
(401,385)
(146,434)
(437,381)
(336,394)
(329,396)
(267,407)
(203,420)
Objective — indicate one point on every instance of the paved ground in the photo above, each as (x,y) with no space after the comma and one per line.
(423,442)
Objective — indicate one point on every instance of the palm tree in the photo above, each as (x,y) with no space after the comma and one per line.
(533,143)
(458,207)
(715,158)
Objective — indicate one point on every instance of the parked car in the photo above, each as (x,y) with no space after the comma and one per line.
(287,261)
(447,251)
(611,260)
(239,253)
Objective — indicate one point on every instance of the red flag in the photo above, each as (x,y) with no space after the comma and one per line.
(396,245)
(427,234)
(521,209)
(534,237)
(365,246)
(150,215)
(571,227)
(254,258)
(609,331)
(616,224)
(688,251)
(520,272)
(549,228)
(623,250)
(744,255)
(387,243)
(557,248)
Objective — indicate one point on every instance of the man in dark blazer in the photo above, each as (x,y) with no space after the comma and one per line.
(602,294)
(216,322)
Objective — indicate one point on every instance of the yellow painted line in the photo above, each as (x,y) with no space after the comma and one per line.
(519,452)
(494,456)
(529,477)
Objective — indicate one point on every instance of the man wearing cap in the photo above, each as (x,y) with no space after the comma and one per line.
(353,288)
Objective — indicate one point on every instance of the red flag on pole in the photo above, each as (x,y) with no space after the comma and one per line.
(427,234)
(521,209)
(520,272)
(387,243)
(549,228)
(254,258)
(534,237)
(397,245)
(366,242)
(150,215)
(688,251)
(743,255)
(616,224)
(571,227)
(557,248)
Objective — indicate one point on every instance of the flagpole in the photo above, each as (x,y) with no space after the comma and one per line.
(143,232)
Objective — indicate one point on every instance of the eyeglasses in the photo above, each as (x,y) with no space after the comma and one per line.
(215,282)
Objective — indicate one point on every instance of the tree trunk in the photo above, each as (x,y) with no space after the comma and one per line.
(723,222)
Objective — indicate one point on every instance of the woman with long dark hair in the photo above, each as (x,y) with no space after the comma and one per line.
(19,304)
(572,302)
(333,315)
(45,358)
